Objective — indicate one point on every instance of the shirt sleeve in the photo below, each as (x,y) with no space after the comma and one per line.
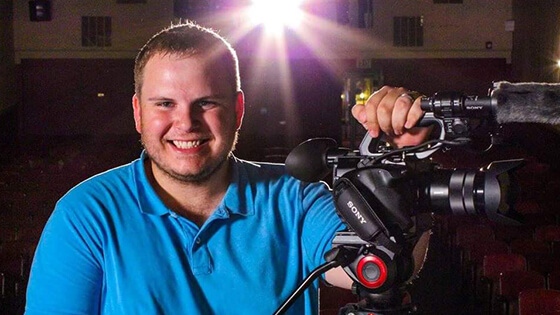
(321,221)
(66,274)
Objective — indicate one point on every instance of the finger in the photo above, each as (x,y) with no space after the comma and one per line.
(385,116)
(401,110)
(386,111)
(371,107)
(414,114)
(359,113)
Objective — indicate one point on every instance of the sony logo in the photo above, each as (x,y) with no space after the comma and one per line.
(477,107)
(357,213)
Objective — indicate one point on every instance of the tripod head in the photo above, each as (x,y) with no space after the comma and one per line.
(379,275)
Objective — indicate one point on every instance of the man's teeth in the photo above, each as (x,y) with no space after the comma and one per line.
(186,144)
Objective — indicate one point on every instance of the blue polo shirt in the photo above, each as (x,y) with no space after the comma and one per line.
(112,247)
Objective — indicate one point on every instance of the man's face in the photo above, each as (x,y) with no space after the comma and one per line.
(188,115)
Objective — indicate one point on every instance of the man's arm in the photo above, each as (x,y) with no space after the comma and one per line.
(339,278)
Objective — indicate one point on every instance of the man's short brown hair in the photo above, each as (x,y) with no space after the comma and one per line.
(185,40)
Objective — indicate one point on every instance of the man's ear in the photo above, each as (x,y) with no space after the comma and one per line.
(137,109)
(239,108)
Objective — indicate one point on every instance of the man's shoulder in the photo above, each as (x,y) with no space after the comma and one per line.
(115,179)
(264,173)
(264,169)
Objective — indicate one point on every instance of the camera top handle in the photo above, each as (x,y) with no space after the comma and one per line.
(368,142)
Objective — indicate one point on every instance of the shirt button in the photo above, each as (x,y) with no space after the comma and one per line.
(198,241)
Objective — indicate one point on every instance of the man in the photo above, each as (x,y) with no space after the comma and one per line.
(188,228)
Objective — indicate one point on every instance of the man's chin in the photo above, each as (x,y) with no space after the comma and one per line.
(200,175)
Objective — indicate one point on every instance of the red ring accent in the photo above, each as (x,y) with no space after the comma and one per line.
(382,272)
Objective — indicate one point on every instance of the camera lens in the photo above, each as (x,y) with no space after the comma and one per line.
(489,192)
(460,191)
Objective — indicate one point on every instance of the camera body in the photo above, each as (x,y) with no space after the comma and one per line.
(387,207)
(376,199)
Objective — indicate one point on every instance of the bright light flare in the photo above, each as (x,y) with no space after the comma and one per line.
(276,14)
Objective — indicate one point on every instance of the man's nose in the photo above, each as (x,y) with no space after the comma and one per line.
(187,117)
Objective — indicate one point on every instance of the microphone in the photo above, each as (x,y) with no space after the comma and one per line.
(526,102)
(313,159)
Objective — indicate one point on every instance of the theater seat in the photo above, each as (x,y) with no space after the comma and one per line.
(550,234)
(539,301)
(468,236)
(508,233)
(529,247)
(544,264)
(554,278)
(474,254)
(492,266)
(511,283)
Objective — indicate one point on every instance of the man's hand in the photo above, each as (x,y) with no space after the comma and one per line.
(390,110)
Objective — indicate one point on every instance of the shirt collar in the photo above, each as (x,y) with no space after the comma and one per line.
(239,196)
(148,200)
(237,200)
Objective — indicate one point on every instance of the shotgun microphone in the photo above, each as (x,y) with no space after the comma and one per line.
(529,102)
(526,102)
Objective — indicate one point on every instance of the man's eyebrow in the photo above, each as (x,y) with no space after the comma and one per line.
(218,97)
(221,96)
(159,98)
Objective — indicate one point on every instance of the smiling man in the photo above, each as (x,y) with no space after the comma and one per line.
(188,111)
(187,228)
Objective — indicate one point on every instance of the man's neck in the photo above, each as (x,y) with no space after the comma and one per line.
(195,200)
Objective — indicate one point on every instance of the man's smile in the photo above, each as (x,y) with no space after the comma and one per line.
(187,144)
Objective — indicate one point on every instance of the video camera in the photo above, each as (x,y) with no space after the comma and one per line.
(387,196)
